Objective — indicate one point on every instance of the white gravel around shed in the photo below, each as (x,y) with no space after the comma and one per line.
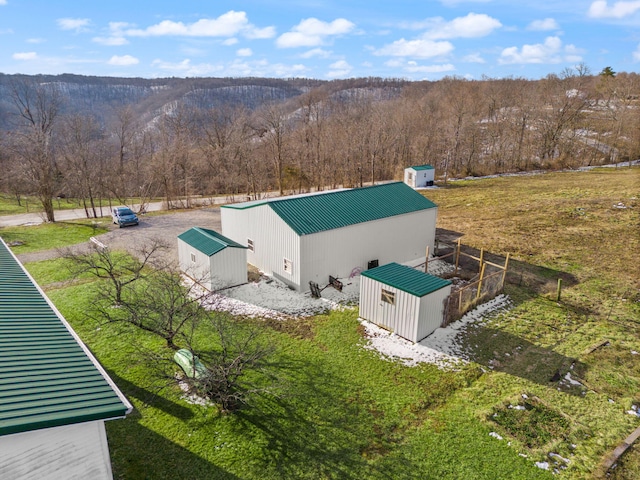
(441,348)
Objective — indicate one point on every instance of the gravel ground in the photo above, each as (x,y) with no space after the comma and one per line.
(162,227)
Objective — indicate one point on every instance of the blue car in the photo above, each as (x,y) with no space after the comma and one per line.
(123,216)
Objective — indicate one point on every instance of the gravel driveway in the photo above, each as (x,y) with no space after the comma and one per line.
(162,227)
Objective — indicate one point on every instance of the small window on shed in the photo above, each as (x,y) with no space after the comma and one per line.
(193,257)
(288,266)
(388,297)
(250,245)
(410,177)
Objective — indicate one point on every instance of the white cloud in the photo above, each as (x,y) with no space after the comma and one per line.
(36,41)
(413,67)
(543,25)
(551,51)
(226,25)
(230,41)
(474,25)
(312,32)
(474,58)
(415,48)
(636,54)
(244,52)
(77,24)
(3,2)
(601,9)
(341,68)
(123,61)
(317,52)
(110,41)
(25,56)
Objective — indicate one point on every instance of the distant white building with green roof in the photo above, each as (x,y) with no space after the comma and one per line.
(211,259)
(419,176)
(309,237)
(54,395)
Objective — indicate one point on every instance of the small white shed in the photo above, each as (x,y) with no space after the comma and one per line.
(212,259)
(403,300)
(419,176)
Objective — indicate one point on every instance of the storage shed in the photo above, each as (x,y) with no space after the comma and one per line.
(309,237)
(54,395)
(403,300)
(212,259)
(419,176)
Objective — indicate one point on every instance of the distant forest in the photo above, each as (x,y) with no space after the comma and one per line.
(100,137)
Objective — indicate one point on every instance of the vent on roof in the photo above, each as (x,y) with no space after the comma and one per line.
(372,264)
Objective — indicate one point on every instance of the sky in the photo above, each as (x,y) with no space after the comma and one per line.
(321,39)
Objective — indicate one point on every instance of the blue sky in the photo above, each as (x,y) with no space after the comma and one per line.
(324,39)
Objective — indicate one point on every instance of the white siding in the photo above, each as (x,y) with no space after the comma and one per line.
(74,452)
(420,177)
(226,268)
(394,239)
(273,241)
(411,317)
(401,318)
(431,312)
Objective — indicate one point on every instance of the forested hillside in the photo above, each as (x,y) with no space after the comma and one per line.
(97,137)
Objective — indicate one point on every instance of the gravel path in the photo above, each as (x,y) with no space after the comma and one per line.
(162,227)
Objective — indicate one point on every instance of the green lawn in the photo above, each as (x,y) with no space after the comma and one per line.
(344,412)
(49,236)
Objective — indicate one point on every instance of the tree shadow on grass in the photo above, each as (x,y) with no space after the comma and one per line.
(323,431)
(501,351)
(148,397)
(141,454)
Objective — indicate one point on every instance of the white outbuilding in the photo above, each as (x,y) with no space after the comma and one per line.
(211,259)
(403,300)
(419,176)
(307,238)
(54,395)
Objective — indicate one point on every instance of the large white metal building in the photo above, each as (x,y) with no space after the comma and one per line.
(310,237)
(403,300)
(211,259)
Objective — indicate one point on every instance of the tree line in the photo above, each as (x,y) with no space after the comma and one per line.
(333,134)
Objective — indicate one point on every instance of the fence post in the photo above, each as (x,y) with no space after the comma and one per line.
(504,273)
(558,292)
(481,260)
(455,272)
(426,261)
(480,282)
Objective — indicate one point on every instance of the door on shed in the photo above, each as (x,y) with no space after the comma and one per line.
(388,299)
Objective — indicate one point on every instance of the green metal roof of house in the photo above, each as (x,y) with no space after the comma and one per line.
(207,241)
(422,167)
(307,214)
(47,377)
(406,279)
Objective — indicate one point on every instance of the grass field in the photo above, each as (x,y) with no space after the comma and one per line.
(344,412)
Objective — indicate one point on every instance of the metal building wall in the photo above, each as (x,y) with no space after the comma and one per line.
(273,241)
(337,252)
(401,318)
(431,312)
(226,268)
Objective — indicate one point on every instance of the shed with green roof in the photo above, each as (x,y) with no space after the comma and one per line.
(211,259)
(419,176)
(404,300)
(54,395)
(307,238)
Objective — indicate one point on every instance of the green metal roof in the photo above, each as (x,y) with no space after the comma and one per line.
(47,378)
(307,214)
(207,241)
(406,279)
(422,167)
